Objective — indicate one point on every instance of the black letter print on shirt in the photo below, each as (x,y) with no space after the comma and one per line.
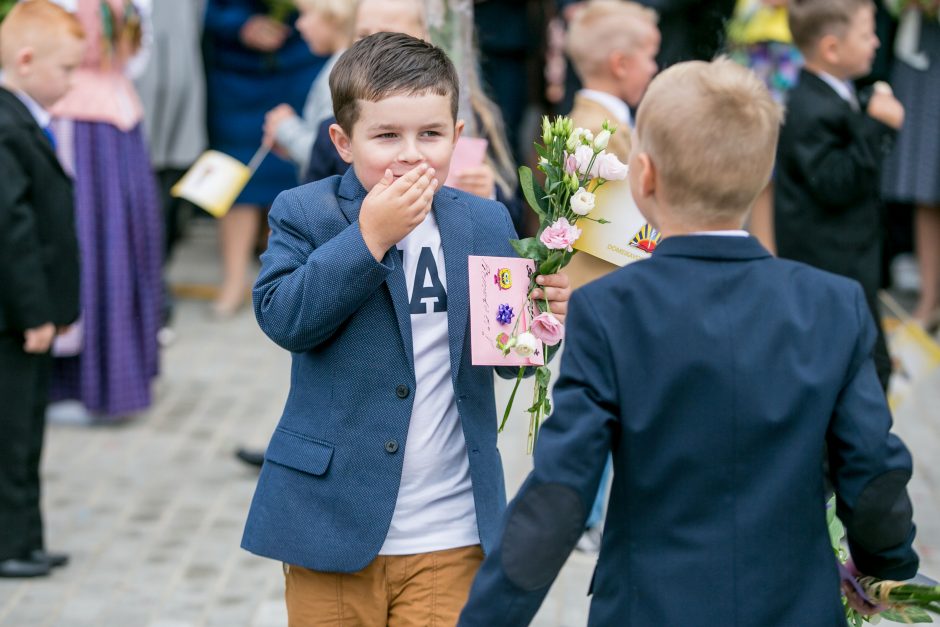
(426,272)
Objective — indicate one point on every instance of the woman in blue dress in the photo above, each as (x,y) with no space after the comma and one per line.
(255,60)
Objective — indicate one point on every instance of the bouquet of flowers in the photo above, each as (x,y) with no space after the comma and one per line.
(575,163)
(894,600)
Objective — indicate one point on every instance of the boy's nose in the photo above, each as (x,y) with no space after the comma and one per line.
(410,153)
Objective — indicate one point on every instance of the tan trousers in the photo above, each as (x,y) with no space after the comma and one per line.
(424,590)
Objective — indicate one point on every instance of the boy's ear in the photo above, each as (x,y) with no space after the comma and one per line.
(828,49)
(617,64)
(24,58)
(458,130)
(646,177)
(342,142)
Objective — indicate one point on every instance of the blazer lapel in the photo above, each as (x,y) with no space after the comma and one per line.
(351,194)
(453,220)
(24,117)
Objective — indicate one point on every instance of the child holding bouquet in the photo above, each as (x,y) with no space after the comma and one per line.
(754,368)
(382,478)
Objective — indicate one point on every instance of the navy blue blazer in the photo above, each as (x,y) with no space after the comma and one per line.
(716,375)
(330,480)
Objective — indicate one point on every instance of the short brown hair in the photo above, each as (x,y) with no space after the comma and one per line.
(811,20)
(35,23)
(711,131)
(606,26)
(389,64)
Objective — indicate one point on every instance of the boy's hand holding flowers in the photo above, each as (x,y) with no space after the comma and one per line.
(393,208)
(555,289)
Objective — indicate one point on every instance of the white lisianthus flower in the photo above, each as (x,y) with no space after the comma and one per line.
(602,139)
(526,344)
(575,139)
(582,202)
(608,167)
(588,136)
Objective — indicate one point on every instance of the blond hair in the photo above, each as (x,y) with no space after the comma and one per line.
(38,24)
(811,20)
(711,131)
(603,27)
(340,12)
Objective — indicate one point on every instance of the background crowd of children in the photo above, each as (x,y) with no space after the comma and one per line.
(159,82)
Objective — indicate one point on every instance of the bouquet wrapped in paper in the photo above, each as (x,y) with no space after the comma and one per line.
(575,163)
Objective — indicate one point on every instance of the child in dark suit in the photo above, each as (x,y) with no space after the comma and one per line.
(753,365)
(40,45)
(827,191)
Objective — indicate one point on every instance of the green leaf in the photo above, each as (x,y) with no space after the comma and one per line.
(542,376)
(532,191)
(529,248)
(552,264)
(907,614)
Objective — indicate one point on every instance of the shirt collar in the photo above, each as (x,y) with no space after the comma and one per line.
(730,233)
(41,116)
(844,88)
(612,103)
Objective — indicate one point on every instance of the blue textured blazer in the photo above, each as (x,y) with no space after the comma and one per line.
(330,480)
(717,376)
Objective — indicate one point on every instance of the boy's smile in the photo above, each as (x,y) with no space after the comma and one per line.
(399,133)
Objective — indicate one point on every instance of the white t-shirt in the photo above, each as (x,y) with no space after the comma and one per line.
(435,508)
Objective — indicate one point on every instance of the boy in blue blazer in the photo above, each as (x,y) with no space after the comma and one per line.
(718,377)
(382,485)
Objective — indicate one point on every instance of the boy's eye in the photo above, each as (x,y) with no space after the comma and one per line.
(386,136)
(431,133)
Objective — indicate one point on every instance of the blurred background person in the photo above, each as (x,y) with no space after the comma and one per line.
(691,29)
(255,60)
(759,38)
(912,171)
(173,91)
(118,216)
(326,26)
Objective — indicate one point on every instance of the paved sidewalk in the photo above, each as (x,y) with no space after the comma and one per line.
(152,510)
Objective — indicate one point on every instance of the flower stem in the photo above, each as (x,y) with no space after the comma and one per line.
(512,397)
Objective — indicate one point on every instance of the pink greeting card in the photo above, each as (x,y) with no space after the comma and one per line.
(469,152)
(500,310)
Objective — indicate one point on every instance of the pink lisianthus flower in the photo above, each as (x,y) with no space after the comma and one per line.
(560,235)
(571,164)
(547,328)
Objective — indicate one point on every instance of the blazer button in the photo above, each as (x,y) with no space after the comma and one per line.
(402,391)
(391,446)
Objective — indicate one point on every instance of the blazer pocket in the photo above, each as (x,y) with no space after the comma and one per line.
(299,452)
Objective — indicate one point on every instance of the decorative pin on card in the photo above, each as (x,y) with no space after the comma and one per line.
(501,313)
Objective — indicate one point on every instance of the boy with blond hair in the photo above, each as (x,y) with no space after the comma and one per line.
(613,47)
(326,26)
(754,365)
(827,184)
(40,45)
(382,485)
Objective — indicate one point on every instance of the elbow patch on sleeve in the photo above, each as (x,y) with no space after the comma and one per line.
(882,516)
(541,532)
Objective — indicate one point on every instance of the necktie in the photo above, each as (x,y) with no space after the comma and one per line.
(853,96)
(47,131)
